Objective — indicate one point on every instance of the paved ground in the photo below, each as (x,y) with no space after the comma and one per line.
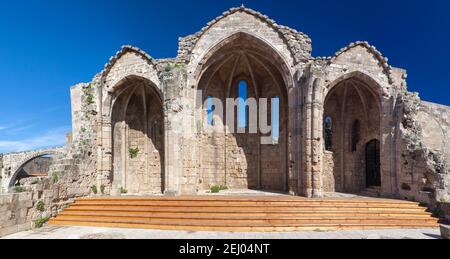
(55,232)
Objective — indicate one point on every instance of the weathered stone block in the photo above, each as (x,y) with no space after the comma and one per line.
(445,231)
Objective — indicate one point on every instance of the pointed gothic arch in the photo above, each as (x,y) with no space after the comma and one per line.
(240,160)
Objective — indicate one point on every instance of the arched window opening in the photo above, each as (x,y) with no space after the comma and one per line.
(356,135)
(275,118)
(242,104)
(328,133)
(210,110)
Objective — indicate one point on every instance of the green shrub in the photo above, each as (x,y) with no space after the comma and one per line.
(102,189)
(94,189)
(41,221)
(439,213)
(89,99)
(169,67)
(215,189)
(123,190)
(133,152)
(19,189)
(55,177)
(40,206)
(218,188)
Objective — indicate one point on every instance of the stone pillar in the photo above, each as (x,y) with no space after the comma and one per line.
(307,148)
(388,156)
(317,138)
(294,165)
(173,84)
(104,154)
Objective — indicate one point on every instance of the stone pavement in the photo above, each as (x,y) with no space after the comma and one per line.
(56,232)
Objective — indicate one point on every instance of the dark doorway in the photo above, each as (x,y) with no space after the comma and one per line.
(373,174)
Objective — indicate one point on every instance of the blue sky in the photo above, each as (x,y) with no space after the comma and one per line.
(46,46)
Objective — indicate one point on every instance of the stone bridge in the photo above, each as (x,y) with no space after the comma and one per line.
(11,164)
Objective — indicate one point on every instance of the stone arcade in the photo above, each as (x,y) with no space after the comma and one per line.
(347,122)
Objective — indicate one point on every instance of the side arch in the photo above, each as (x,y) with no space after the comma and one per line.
(349,98)
(121,86)
(15,170)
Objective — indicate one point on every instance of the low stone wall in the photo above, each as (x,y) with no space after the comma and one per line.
(17,212)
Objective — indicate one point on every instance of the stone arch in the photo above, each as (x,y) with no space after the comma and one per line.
(129,62)
(375,86)
(351,97)
(25,159)
(242,162)
(207,61)
(362,53)
(210,37)
(136,135)
(121,86)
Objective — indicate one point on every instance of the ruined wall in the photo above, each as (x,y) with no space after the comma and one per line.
(423,172)
(435,122)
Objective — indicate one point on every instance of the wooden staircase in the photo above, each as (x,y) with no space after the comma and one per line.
(245,214)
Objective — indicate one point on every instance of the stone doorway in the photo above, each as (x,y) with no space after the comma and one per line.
(138,139)
(373,174)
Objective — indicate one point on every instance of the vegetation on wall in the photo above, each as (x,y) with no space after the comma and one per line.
(169,67)
(40,206)
(40,222)
(55,177)
(134,152)
(218,188)
(94,189)
(89,97)
(19,189)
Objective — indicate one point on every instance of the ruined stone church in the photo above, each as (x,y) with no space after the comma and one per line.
(347,122)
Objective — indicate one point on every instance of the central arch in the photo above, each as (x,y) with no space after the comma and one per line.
(240,160)
(138,137)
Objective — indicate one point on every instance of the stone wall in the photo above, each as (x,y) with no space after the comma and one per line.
(435,121)
(18,211)
(15,213)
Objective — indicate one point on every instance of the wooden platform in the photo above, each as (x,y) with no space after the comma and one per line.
(245,214)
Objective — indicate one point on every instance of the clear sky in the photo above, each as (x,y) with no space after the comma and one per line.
(46,46)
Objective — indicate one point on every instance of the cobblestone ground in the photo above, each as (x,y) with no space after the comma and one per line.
(52,232)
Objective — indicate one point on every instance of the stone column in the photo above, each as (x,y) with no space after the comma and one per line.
(104,154)
(173,82)
(387,149)
(317,138)
(306,142)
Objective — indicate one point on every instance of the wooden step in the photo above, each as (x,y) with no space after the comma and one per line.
(248,228)
(248,205)
(245,213)
(208,214)
(243,202)
(247,221)
(244,208)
